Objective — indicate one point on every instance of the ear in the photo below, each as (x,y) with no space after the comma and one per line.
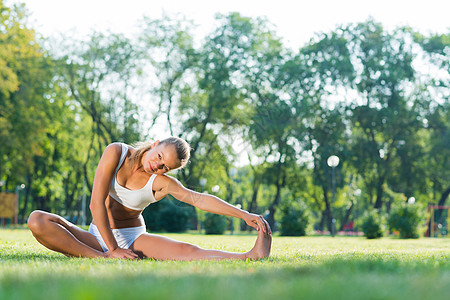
(155,144)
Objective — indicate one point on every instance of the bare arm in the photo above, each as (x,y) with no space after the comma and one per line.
(209,203)
(102,180)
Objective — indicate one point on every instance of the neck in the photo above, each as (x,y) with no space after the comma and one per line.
(137,168)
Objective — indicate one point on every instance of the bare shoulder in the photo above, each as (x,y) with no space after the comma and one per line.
(165,185)
(111,154)
(113,149)
(161,186)
(165,182)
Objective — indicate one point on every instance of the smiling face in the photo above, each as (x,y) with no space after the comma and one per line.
(160,159)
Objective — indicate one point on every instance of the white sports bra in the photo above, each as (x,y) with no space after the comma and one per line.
(133,199)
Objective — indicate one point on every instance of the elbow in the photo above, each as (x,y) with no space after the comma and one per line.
(93,206)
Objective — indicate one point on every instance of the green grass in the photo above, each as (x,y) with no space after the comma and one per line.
(299,268)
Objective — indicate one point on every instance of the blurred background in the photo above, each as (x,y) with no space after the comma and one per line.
(326,118)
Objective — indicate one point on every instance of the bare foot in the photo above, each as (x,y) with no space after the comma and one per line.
(262,246)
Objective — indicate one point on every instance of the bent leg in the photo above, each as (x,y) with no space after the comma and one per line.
(163,248)
(58,234)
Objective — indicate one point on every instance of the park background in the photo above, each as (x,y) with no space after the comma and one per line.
(263,115)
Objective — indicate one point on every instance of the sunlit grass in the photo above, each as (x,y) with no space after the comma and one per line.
(299,267)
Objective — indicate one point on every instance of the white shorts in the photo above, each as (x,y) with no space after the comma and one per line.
(125,237)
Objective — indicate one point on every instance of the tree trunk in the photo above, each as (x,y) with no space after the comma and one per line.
(273,207)
(71,191)
(444,197)
(348,212)
(322,220)
(85,174)
(328,211)
(25,203)
(379,201)
(253,207)
(276,201)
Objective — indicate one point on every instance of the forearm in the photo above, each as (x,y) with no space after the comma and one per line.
(100,217)
(216,205)
(210,203)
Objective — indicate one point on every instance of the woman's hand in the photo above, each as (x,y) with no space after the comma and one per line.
(122,253)
(257,222)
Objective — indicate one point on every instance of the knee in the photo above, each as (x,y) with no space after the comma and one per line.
(189,249)
(37,221)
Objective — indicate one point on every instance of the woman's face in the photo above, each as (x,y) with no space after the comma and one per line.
(160,159)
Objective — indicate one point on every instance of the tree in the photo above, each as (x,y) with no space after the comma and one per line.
(383,120)
(312,78)
(40,142)
(167,50)
(436,113)
(24,82)
(98,75)
(271,118)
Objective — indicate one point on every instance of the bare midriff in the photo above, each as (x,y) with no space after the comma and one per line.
(122,217)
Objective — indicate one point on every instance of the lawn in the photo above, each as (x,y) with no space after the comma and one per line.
(299,268)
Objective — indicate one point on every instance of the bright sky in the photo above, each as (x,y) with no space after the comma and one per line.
(296,21)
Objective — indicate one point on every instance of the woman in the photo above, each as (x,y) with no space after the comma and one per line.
(126,181)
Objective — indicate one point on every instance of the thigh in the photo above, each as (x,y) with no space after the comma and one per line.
(162,248)
(80,234)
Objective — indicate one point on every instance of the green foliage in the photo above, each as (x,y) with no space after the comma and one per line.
(406,218)
(385,124)
(372,224)
(89,70)
(354,91)
(215,224)
(294,219)
(167,215)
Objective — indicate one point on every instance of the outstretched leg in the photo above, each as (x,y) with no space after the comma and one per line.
(57,234)
(163,248)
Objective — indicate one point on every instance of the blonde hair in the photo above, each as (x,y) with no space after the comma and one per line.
(182,149)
